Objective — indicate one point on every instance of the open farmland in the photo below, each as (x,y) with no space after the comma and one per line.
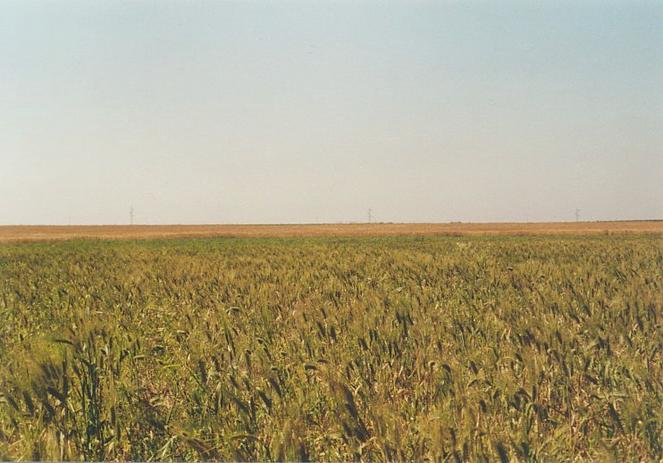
(335,349)
(63,232)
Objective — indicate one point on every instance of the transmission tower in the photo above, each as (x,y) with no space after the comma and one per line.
(131,215)
(370,215)
(577,215)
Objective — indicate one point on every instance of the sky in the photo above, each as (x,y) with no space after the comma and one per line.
(298,111)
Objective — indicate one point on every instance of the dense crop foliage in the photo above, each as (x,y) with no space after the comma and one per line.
(333,349)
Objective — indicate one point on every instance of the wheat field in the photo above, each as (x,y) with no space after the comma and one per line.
(26,233)
(447,348)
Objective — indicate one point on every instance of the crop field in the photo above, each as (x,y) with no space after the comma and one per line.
(22,233)
(447,348)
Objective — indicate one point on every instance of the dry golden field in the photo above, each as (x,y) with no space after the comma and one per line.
(440,348)
(49,232)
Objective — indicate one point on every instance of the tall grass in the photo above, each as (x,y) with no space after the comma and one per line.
(333,349)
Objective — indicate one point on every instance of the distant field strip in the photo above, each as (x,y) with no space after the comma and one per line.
(48,232)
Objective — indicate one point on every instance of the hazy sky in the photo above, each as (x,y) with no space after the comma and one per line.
(211,112)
